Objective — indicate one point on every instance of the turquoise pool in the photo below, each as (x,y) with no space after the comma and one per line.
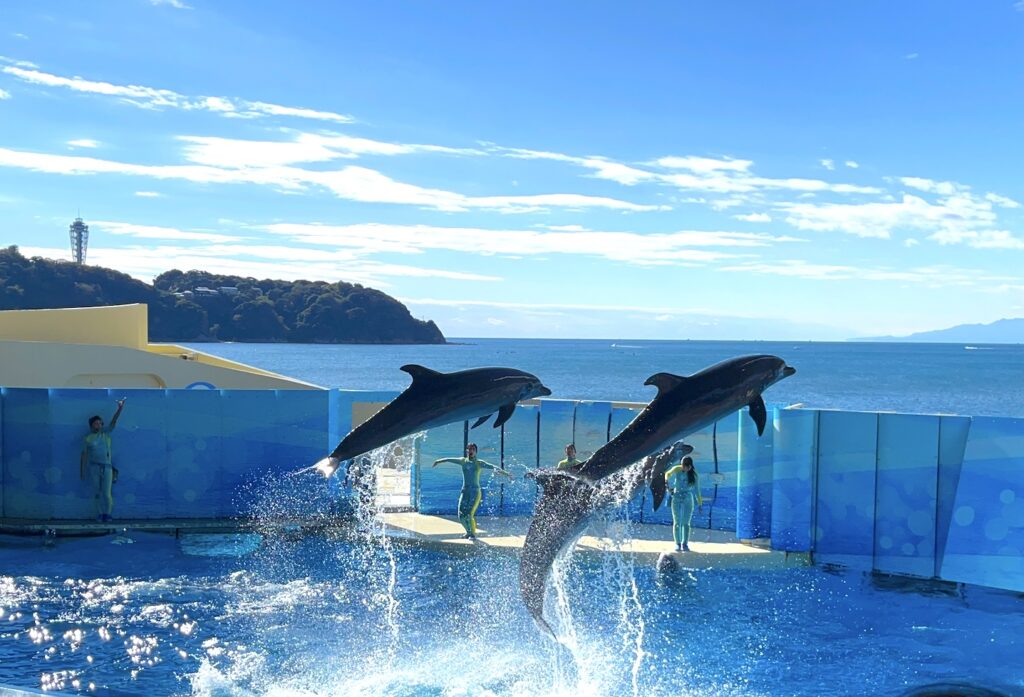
(245,615)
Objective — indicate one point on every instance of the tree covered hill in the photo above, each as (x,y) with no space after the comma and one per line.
(228,308)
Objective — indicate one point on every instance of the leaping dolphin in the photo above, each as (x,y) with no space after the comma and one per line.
(435,399)
(682,406)
(565,507)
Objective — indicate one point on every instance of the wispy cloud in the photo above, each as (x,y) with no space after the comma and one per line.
(176,4)
(952,215)
(755,217)
(703,165)
(690,173)
(931,186)
(149,194)
(828,164)
(4,94)
(1002,201)
(350,183)
(84,143)
(936,276)
(155,98)
(984,239)
(153,232)
(684,247)
(302,148)
(851,164)
(911,56)
(287,263)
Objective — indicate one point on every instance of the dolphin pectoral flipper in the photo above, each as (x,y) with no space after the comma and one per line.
(504,414)
(759,414)
(481,420)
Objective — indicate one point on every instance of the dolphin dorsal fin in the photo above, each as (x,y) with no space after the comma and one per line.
(419,373)
(665,381)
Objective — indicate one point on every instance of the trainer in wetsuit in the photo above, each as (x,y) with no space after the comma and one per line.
(570,462)
(684,485)
(96,460)
(469,497)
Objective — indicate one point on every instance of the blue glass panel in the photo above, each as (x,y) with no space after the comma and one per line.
(985,544)
(908,457)
(754,479)
(845,513)
(520,456)
(794,460)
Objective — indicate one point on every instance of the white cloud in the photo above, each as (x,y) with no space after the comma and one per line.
(936,276)
(176,4)
(984,239)
(287,263)
(560,307)
(149,194)
(755,217)
(4,94)
(684,247)
(851,164)
(84,143)
(303,148)
(704,165)
(351,183)
(19,63)
(154,232)
(154,98)
(1002,201)
(724,176)
(953,213)
(562,228)
(931,186)
(828,164)
(912,56)
(910,242)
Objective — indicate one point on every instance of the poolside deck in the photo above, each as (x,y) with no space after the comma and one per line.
(711,548)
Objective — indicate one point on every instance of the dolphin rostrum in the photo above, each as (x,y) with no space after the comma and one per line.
(435,399)
(682,406)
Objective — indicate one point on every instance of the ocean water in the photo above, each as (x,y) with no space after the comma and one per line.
(248,616)
(979,380)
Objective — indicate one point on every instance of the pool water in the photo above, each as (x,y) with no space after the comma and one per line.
(276,615)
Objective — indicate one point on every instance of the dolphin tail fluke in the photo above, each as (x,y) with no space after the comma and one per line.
(759,414)
(544,627)
(482,420)
(328,466)
(504,414)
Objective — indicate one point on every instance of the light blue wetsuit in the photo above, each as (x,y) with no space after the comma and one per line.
(685,497)
(97,449)
(470,496)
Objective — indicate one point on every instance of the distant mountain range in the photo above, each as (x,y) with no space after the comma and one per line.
(1004,331)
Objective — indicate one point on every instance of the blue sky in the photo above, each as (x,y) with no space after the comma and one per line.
(731,170)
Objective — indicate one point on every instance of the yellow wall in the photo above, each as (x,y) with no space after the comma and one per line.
(52,364)
(115,325)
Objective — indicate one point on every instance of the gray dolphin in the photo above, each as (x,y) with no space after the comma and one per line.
(949,689)
(566,506)
(682,406)
(435,399)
